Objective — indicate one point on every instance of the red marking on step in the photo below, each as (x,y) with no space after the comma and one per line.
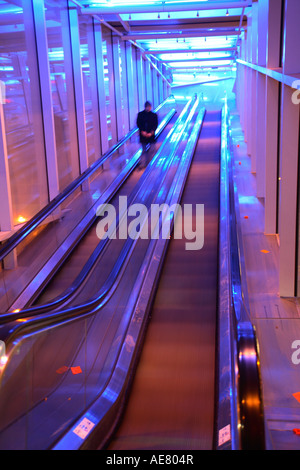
(62,370)
(297,396)
(76,370)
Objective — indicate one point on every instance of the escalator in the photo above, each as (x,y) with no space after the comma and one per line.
(172,402)
(40,338)
(65,289)
(148,329)
(60,269)
(65,226)
(72,275)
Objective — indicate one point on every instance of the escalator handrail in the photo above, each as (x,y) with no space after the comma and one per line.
(88,266)
(20,235)
(246,414)
(26,326)
(55,303)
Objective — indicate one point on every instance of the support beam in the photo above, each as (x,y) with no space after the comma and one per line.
(109,26)
(118,91)
(101,86)
(207,59)
(133,105)
(46,95)
(125,24)
(168,25)
(149,87)
(194,34)
(199,69)
(78,88)
(141,80)
(186,51)
(154,7)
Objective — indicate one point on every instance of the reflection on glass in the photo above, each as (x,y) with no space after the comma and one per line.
(87,52)
(149,86)
(108,77)
(144,78)
(58,34)
(135,80)
(154,86)
(123,87)
(22,112)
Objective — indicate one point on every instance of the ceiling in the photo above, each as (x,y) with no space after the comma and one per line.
(185,36)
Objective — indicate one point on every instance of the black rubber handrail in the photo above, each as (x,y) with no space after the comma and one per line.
(12,243)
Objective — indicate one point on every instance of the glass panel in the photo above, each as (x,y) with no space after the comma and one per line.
(135,60)
(161,88)
(149,85)
(22,112)
(59,51)
(145,80)
(153,76)
(109,85)
(123,86)
(87,52)
(135,80)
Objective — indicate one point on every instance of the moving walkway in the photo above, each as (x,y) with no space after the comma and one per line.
(75,359)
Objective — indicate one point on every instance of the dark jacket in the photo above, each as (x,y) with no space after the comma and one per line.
(147,121)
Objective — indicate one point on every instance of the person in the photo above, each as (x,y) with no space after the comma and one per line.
(147,122)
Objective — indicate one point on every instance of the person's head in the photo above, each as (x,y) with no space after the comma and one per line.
(148,106)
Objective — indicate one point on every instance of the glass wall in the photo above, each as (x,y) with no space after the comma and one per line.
(145,78)
(298,223)
(121,89)
(123,86)
(44,158)
(135,80)
(155,88)
(109,85)
(61,76)
(22,111)
(140,105)
(87,53)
